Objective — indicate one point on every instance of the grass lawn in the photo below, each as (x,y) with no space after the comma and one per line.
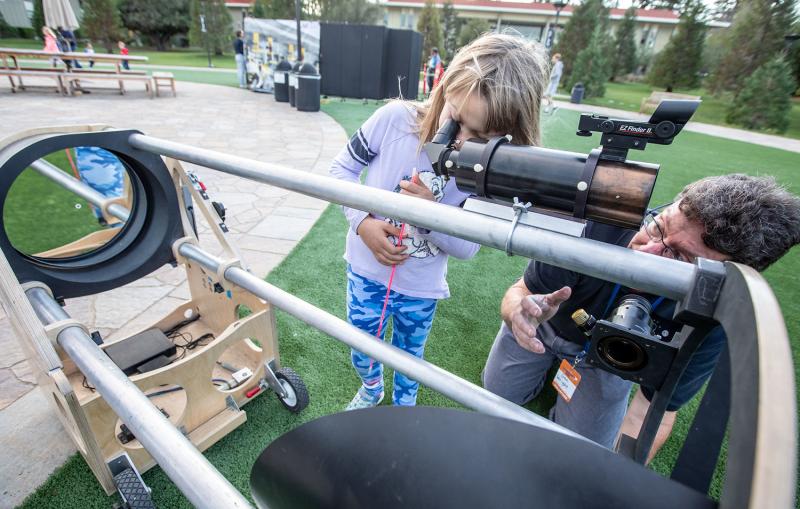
(628,96)
(465,325)
(192,57)
(35,200)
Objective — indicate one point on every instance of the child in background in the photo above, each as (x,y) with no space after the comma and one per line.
(123,50)
(493,87)
(50,44)
(89,50)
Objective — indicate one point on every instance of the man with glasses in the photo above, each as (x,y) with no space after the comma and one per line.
(749,220)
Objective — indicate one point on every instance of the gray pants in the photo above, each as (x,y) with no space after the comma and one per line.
(596,409)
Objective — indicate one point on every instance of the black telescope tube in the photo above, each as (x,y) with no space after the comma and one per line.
(618,192)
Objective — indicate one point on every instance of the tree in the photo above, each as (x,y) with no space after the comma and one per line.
(592,66)
(451,25)
(765,98)
(625,45)
(217,22)
(261,9)
(579,30)
(430,28)
(361,12)
(679,63)
(37,20)
(156,19)
(755,37)
(471,30)
(724,10)
(101,22)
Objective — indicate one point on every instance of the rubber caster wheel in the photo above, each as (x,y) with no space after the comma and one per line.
(296,392)
(134,494)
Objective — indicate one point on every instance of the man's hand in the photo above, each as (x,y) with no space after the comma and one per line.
(529,311)
(416,188)
(375,233)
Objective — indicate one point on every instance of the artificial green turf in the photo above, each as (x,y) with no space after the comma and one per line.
(465,324)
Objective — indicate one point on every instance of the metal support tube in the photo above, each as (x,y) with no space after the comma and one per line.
(80,189)
(430,375)
(181,461)
(650,273)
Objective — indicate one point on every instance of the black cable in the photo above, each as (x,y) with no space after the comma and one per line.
(86,385)
(165,391)
(181,324)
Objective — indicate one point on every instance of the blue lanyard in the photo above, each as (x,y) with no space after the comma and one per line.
(611,300)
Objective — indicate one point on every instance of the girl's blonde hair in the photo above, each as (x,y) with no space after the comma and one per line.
(509,72)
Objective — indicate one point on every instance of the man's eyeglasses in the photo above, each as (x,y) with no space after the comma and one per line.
(656,233)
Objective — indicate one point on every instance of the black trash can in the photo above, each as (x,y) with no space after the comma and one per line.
(577,93)
(281,79)
(308,82)
(293,82)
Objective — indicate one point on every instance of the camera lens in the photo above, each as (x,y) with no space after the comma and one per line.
(622,353)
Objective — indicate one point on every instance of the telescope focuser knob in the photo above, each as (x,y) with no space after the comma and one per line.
(607,126)
(584,321)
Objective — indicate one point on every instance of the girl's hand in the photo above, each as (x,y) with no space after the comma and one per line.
(375,233)
(416,188)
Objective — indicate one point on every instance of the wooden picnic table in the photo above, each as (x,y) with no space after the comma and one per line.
(16,53)
(10,58)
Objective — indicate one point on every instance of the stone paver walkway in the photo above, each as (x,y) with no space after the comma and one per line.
(266,222)
(731,133)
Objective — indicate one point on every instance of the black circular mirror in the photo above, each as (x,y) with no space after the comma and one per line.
(69,203)
(83,211)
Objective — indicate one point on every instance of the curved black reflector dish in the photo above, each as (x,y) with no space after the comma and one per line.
(392,457)
(144,238)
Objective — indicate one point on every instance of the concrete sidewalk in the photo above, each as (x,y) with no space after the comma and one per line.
(266,223)
(730,133)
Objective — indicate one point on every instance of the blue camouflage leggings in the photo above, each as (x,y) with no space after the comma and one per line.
(412,322)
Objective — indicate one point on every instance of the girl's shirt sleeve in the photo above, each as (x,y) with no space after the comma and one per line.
(363,146)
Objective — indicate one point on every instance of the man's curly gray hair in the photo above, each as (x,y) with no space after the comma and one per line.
(753,220)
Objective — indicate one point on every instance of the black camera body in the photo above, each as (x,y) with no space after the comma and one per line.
(631,345)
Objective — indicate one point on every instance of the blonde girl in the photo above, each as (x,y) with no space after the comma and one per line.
(493,87)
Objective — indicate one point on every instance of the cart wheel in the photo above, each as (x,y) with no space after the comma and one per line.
(134,494)
(296,393)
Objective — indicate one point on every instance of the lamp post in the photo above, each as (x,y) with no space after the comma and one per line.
(551,31)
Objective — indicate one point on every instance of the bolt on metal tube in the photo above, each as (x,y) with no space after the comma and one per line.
(79,188)
(646,272)
(430,375)
(191,472)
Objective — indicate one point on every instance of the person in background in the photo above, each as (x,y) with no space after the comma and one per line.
(433,63)
(555,77)
(50,44)
(123,50)
(71,44)
(238,49)
(89,50)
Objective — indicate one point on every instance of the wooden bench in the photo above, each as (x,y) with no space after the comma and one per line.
(650,103)
(86,70)
(168,81)
(56,75)
(71,78)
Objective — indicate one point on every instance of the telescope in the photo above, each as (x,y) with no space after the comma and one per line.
(602,186)
(330,462)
